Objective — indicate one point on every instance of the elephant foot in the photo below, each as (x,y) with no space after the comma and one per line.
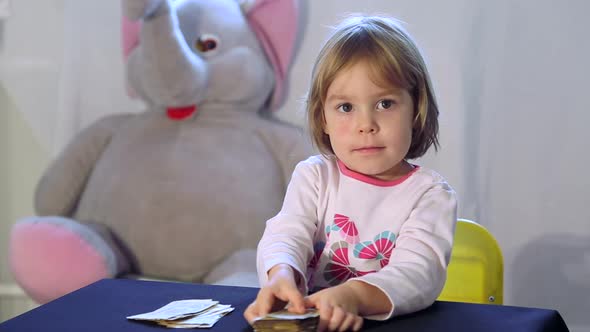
(52,256)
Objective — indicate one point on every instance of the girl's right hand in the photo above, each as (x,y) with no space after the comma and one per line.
(281,289)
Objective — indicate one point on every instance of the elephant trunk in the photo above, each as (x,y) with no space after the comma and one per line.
(163,69)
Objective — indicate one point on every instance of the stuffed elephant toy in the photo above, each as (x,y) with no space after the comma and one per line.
(181,191)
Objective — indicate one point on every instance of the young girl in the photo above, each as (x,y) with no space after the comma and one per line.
(366,232)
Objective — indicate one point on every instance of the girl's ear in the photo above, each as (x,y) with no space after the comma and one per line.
(276,24)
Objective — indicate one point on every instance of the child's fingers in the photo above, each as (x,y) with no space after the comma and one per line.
(338,316)
(309,302)
(325,316)
(358,323)
(265,301)
(348,322)
(251,313)
(295,300)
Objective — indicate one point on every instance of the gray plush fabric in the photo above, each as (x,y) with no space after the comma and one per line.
(180,197)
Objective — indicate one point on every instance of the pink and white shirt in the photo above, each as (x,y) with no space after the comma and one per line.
(337,225)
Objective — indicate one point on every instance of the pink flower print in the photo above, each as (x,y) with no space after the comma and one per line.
(339,269)
(379,249)
(339,253)
(346,227)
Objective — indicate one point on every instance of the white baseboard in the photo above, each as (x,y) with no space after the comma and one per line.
(11,290)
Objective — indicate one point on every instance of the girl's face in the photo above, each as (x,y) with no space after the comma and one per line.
(370,127)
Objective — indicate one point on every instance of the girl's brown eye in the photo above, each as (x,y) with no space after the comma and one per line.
(385,104)
(345,108)
(206,43)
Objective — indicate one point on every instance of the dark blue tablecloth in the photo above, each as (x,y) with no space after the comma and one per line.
(104,305)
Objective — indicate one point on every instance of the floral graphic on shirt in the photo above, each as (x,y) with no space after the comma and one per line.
(339,269)
(346,227)
(379,249)
(329,230)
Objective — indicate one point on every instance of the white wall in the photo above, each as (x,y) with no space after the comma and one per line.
(30,54)
(511,78)
(21,161)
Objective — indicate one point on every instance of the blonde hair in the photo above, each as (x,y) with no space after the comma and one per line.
(395,61)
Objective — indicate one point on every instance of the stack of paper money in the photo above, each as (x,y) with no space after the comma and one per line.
(187,314)
(285,321)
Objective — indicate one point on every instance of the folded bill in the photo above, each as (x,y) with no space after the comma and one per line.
(286,321)
(187,314)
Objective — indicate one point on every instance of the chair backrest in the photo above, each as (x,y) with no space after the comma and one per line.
(476,270)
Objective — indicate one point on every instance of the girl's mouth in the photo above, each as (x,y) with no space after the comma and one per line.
(369,149)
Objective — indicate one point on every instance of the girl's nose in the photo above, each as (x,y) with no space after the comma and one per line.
(367,124)
(368,130)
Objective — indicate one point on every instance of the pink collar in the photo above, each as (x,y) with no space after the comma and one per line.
(371,180)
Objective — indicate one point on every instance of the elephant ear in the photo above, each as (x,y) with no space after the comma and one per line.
(275,23)
(129,40)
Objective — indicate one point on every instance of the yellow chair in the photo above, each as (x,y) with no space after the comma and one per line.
(476,269)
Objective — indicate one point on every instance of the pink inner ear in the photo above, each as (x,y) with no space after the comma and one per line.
(130,35)
(275,22)
(129,41)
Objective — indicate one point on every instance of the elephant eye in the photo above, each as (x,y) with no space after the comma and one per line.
(207,43)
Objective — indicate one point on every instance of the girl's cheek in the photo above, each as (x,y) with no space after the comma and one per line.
(343,128)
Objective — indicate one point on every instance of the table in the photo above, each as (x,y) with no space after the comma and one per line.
(103,306)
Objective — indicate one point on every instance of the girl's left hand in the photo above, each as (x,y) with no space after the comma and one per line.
(338,308)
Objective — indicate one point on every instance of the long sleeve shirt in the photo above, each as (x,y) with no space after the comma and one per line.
(337,225)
